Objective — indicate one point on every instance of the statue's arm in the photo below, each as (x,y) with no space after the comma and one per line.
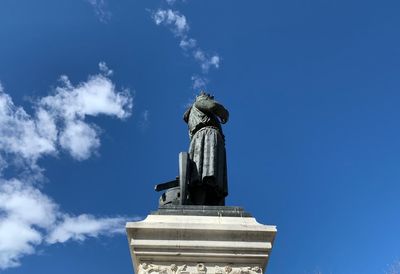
(186,115)
(211,106)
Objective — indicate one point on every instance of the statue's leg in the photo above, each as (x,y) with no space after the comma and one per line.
(213,195)
(221,201)
(198,195)
(214,198)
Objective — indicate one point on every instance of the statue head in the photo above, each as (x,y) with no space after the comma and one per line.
(203,95)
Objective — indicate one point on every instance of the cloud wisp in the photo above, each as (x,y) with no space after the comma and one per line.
(144,120)
(80,227)
(199,82)
(174,19)
(100,8)
(179,26)
(28,217)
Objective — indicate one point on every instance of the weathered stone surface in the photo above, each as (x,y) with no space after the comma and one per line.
(199,268)
(188,244)
(193,210)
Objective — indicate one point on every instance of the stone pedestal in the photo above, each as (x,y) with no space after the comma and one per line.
(200,240)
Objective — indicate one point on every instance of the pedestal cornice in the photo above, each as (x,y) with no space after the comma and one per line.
(219,239)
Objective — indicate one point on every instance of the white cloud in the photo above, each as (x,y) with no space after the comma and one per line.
(144,120)
(71,104)
(187,43)
(145,115)
(178,24)
(21,135)
(198,82)
(104,69)
(94,97)
(206,61)
(174,20)
(79,139)
(394,268)
(100,8)
(59,120)
(28,217)
(24,213)
(83,226)
(172,2)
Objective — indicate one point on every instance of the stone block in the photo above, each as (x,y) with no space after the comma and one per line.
(200,240)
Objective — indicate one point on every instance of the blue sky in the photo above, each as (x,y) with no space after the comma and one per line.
(91,102)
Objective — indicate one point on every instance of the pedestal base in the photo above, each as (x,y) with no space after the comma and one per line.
(200,240)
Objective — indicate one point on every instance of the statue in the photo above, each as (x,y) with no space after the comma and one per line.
(207,171)
(202,176)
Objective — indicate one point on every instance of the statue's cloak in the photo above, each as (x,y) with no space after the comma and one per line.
(207,151)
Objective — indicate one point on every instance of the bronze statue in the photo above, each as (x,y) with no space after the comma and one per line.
(202,176)
(207,175)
